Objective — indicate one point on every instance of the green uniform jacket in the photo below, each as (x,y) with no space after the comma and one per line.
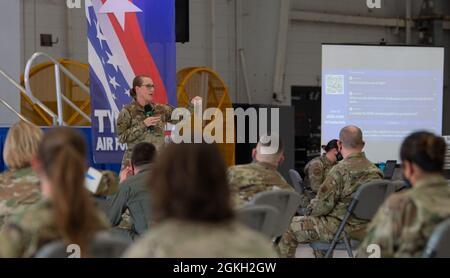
(336,192)
(403,225)
(30,229)
(134,196)
(316,172)
(249,179)
(132,130)
(18,188)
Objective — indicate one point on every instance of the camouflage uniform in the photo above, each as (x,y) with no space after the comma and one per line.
(316,172)
(132,130)
(18,188)
(249,179)
(404,223)
(181,239)
(30,228)
(326,210)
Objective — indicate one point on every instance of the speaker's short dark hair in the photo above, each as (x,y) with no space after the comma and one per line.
(143,153)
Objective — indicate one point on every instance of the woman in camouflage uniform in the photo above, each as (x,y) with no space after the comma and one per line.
(317,169)
(66,210)
(143,120)
(405,222)
(19,187)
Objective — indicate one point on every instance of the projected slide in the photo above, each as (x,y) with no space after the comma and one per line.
(387,91)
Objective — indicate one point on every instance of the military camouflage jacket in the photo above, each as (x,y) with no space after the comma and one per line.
(403,225)
(31,228)
(336,192)
(132,130)
(316,171)
(182,239)
(249,179)
(18,188)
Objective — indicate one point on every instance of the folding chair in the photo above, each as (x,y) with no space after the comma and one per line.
(365,203)
(261,218)
(297,184)
(286,202)
(297,181)
(438,245)
(103,245)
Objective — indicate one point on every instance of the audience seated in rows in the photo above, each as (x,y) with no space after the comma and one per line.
(327,209)
(66,211)
(191,206)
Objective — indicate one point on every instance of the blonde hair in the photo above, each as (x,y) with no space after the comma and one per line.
(21,145)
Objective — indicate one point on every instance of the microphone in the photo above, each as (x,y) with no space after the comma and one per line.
(149,112)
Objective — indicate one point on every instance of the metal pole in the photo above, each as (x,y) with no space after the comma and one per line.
(58,95)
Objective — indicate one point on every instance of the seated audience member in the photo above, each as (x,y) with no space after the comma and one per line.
(19,187)
(403,225)
(192,210)
(133,194)
(318,168)
(261,175)
(66,210)
(326,210)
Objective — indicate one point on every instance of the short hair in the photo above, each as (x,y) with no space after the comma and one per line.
(331,145)
(189,182)
(424,149)
(21,145)
(143,153)
(351,137)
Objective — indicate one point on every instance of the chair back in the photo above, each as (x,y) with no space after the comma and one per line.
(285,201)
(297,181)
(261,218)
(438,245)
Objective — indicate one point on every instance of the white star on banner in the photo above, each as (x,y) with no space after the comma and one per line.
(100,36)
(127,92)
(113,82)
(113,61)
(119,8)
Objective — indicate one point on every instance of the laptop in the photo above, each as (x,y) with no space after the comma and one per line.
(389,169)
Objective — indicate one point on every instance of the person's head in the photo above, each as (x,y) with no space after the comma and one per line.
(350,140)
(332,151)
(142,155)
(21,145)
(143,89)
(61,165)
(189,182)
(269,150)
(422,153)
